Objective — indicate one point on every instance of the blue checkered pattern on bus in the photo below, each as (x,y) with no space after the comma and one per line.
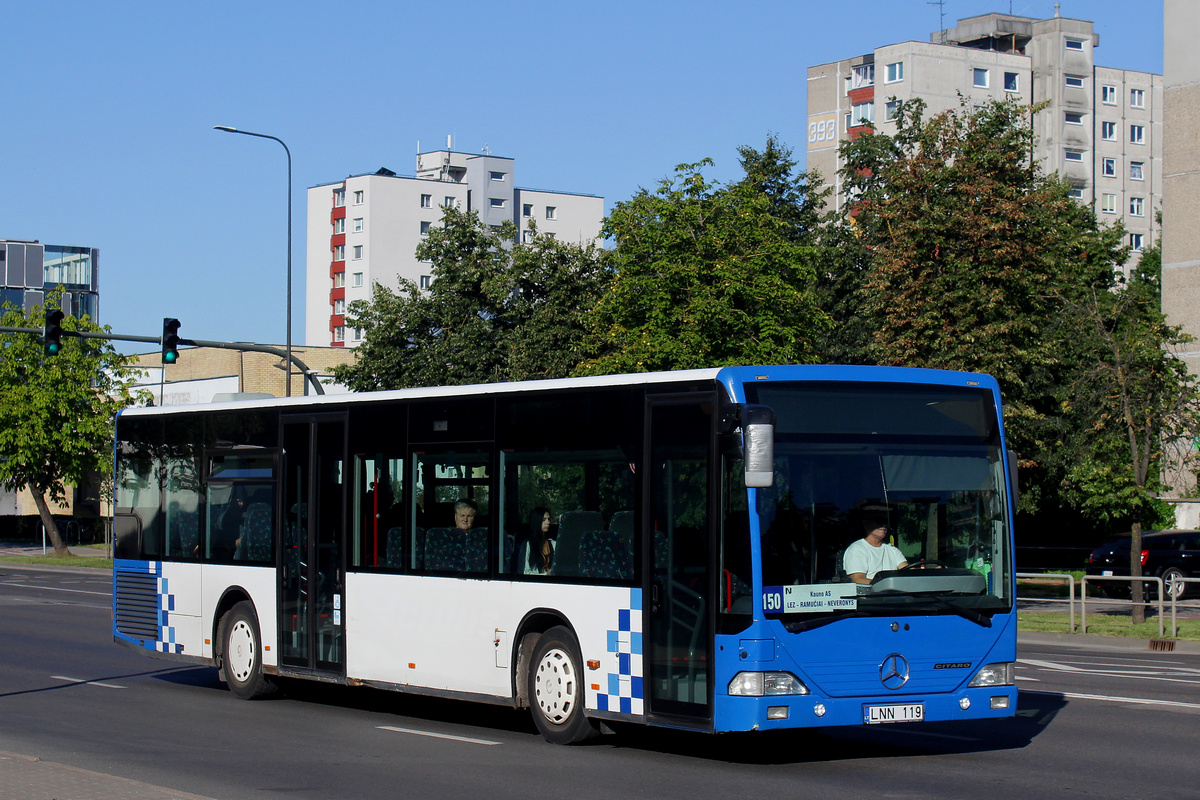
(166,604)
(623,691)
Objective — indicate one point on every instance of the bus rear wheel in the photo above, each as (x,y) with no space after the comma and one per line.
(556,691)
(241,653)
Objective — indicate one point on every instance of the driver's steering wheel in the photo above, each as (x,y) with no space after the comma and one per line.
(923,564)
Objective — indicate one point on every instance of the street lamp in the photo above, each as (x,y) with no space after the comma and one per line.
(288,378)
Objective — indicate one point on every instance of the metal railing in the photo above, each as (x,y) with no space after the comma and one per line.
(1070,579)
(1157,581)
(1163,599)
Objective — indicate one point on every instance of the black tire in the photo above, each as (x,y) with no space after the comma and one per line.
(241,653)
(1169,575)
(556,689)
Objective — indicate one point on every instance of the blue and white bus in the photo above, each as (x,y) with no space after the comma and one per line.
(660,548)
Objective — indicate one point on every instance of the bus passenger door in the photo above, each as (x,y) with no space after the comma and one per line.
(678,592)
(311,582)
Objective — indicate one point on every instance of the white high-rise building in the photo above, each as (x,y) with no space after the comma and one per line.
(365,229)
(1101,129)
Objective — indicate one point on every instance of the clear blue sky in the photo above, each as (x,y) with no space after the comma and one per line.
(109,107)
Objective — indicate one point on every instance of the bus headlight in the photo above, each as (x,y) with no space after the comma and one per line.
(758,684)
(999,674)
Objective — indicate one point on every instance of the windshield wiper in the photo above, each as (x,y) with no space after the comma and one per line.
(971,614)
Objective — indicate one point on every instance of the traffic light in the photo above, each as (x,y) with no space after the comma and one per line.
(170,340)
(52,332)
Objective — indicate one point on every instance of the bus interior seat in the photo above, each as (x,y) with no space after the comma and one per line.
(394,552)
(605,554)
(571,527)
(445,549)
(622,524)
(255,544)
(476,557)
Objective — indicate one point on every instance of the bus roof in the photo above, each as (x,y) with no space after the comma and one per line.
(731,377)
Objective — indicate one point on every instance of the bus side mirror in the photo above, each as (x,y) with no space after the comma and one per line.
(758,439)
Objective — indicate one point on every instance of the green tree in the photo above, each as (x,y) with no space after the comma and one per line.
(972,254)
(1133,402)
(495,311)
(57,413)
(711,275)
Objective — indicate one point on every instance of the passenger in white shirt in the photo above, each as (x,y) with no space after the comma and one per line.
(871,554)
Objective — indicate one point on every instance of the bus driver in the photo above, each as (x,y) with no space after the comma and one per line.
(871,554)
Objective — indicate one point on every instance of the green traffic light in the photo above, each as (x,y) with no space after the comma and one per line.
(52,348)
(170,356)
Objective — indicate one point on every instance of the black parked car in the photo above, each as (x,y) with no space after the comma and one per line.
(1165,554)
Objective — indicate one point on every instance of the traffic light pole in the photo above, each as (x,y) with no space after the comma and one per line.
(249,347)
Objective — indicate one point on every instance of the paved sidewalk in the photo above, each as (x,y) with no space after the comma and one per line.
(33,549)
(27,778)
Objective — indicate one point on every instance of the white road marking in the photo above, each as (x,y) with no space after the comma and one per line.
(55,589)
(89,683)
(414,732)
(1112,699)
(1141,675)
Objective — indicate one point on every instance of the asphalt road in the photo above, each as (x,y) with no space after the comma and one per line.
(1095,722)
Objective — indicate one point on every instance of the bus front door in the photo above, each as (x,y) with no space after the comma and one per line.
(676,505)
(311,621)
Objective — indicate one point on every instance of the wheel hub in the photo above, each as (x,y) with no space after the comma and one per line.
(556,686)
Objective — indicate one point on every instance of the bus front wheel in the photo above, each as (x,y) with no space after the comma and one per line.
(556,690)
(241,653)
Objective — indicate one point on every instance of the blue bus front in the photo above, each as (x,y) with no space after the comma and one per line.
(819,630)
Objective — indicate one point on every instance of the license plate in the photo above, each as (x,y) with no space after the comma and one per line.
(909,712)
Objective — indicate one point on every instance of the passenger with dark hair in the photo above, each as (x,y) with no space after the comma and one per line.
(541,546)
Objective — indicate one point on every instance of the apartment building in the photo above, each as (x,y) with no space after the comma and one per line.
(365,229)
(1101,129)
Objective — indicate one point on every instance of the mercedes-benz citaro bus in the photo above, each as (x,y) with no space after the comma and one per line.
(663,548)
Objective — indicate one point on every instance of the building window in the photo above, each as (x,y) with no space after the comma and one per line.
(1136,171)
(863,75)
(339,252)
(339,198)
(497,202)
(339,280)
(339,225)
(1074,118)
(425,228)
(356,279)
(1074,82)
(1108,95)
(526,237)
(527,210)
(339,306)
(1108,131)
(496,176)
(1073,155)
(426,201)
(895,72)
(980,79)
(551,212)
(889,110)
(1012,82)
(1137,207)
(339,333)
(1108,167)
(426,281)
(1136,241)
(358,197)
(1137,134)
(358,252)
(358,224)
(1075,193)
(449,202)
(1074,44)
(1108,203)
(1137,98)
(862,114)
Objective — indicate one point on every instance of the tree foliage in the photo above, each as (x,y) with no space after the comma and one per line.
(707,274)
(495,311)
(57,413)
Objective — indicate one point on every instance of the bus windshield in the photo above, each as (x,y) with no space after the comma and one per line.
(861,469)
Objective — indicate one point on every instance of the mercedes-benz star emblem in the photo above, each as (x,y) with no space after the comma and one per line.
(893,672)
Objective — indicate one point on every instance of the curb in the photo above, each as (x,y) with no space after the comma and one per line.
(1087,641)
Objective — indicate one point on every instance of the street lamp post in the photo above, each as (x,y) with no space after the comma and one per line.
(288,372)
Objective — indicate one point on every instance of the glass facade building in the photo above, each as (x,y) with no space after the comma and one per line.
(30,270)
